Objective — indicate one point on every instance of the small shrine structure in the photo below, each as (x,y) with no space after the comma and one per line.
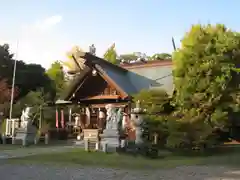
(98,84)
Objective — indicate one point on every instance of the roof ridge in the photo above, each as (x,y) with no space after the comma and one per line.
(92,59)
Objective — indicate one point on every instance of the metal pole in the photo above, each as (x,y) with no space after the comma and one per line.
(13,83)
(173,43)
(40,118)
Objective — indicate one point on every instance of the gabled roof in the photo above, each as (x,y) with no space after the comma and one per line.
(110,72)
(147,64)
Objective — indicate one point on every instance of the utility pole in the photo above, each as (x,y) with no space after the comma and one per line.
(40,118)
(13,83)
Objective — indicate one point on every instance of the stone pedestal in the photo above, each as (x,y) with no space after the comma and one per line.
(3,139)
(46,138)
(26,135)
(110,140)
(139,132)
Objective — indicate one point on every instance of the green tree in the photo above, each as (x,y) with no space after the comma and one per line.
(6,62)
(128,57)
(29,77)
(111,55)
(36,99)
(161,56)
(154,101)
(206,83)
(157,108)
(33,99)
(76,64)
(56,74)
(5,91)
(38,79)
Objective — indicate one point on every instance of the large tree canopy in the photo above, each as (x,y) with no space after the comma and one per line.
(37,78)
(206,79)
(206,65)
(29,77)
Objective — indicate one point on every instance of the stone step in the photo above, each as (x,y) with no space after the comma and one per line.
(79,143)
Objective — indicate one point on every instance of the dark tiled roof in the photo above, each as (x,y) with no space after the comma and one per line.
(146,64)
(116,73)
(121,79)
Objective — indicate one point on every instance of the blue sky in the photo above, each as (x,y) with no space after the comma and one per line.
(47,29)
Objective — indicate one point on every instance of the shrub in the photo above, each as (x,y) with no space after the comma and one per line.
(58,134)
(191,133)
(155,127)
(157,106)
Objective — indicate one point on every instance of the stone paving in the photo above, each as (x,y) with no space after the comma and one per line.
(47,172)
(50,172)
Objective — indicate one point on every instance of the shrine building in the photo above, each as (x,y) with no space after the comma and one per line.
(99,83)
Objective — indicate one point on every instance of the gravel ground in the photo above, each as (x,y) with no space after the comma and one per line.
(47,172)
(23,152)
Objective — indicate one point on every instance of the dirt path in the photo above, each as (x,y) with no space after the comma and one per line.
(23,152)
(47,172)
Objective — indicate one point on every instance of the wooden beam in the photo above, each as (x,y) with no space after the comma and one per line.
(81,54)
(102,97)
(113,104)
(75,60)
(85,78)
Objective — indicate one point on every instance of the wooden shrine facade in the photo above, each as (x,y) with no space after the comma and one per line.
(94,94)
(97,88)
(98,84)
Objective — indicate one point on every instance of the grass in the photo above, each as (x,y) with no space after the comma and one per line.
(9,147)
(80,157)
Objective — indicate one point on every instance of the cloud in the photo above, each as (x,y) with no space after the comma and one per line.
(48,22)
(40,42)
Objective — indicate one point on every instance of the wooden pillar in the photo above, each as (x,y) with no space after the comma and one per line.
(57,118)
(62,119)
(7,127)
(70,115)
(88,116)
(13,127)
(129,107)
(101,117)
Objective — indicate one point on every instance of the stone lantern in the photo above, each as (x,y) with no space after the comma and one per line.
(137,119)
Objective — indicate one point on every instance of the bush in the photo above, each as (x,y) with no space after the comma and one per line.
(194,134)
(149,150)
(155,126)
(156,103)
(58,134)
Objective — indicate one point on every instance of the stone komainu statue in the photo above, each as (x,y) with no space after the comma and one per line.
(25,117)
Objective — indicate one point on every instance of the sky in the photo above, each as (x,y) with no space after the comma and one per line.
(43,31)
